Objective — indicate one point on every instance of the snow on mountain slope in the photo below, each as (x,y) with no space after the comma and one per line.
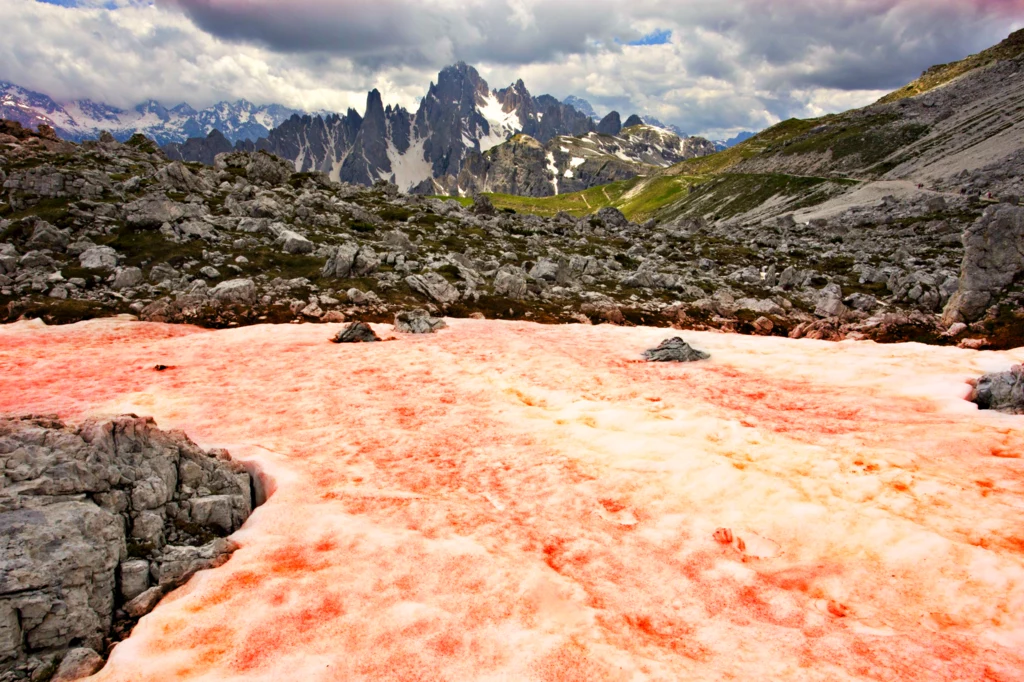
(503,125)
(411,168)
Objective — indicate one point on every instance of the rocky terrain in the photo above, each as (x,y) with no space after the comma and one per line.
(104,228)
(84,119)
(97,523)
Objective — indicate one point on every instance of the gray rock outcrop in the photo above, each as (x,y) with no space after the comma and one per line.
(356,332)
(434,286)
(675,350)
(993,259)
(89,516)
(1002,391)
(418,322)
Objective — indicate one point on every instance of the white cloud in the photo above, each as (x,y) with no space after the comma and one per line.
(727,67)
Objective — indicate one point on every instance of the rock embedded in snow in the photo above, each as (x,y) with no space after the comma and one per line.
(356,332)
(1002,391)
(75,500)
(418,322)
(675,350)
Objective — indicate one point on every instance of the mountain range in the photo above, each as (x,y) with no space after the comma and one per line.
(451,144)
(85,119)
(561,145)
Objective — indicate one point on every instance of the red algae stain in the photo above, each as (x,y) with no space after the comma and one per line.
(503,501)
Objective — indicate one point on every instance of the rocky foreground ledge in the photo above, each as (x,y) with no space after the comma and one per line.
(97,523)
(103,228)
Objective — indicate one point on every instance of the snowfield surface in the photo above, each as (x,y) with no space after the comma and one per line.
(508,501)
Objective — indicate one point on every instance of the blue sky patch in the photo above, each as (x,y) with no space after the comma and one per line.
(656,38)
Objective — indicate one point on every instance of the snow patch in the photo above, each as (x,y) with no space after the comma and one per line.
(410,168)
(553,169)
(503,125)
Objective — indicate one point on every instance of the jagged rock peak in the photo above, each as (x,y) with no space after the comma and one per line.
(633,120)
(610,124)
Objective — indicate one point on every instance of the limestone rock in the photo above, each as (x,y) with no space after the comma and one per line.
(69,495)
(1002,391)
(356,332)
(510,282)
(293,242)
(99,258)
(993,258)
(351,260)
(127,278)
(418,322)
(434,286)
(240,291)
(78,664)
(675,350)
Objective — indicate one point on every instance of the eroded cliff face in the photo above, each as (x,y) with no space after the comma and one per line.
(511,500)
(97,523)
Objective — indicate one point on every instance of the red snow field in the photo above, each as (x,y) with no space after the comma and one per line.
(510,501)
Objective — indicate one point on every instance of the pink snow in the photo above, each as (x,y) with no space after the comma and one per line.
(510,501)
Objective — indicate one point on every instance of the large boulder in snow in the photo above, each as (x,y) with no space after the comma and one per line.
(73,503)
(1003,391)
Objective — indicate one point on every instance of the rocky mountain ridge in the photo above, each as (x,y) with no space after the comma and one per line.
(451,145)
(525,167)
(84,119)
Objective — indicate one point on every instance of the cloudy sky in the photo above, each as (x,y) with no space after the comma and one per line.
(711,67)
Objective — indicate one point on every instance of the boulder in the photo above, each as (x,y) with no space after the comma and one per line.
(126,278)
(482,205)
(154,210)
(351,260)
(434,286)
(293,242)
(510,282)
(78,664)
(46,236)
(418,322)
(675,350)
(264,168)
(68,497)
(356,332)
(612,217)
(993,259)
(1002,391)
(238,291)
(99,258)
